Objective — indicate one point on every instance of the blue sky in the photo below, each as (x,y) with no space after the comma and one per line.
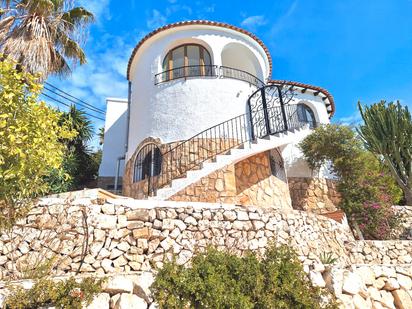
(358,50)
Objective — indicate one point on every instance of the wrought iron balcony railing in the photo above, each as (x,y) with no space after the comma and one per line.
(187,71)
(207,71)
(227,72)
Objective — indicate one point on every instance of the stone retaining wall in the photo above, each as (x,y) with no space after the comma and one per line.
(406,213)
(380,252)
(366,286)
(124,239)
(123,235)
(313,194)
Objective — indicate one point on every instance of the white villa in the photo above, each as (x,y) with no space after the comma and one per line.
(205,122)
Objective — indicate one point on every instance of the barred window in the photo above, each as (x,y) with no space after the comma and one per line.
(306,115)
(148,163)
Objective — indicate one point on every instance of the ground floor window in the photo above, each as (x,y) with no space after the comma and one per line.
(148,163)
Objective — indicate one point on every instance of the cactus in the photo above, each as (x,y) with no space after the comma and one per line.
(387,132)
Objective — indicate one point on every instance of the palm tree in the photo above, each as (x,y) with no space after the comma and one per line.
(43,36)
(82,165)
(100,134)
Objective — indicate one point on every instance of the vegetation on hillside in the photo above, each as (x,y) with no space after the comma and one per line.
(218,279)
(367,188)
(43,36)
(70,294)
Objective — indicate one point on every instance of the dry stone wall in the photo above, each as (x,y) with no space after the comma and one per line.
(313,194)
(103,237)
(393,252)
(124,239)
(406,221)
(366,286)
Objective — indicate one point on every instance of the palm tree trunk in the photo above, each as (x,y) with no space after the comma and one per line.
(408,196)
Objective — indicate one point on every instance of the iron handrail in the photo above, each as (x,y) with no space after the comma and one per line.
(186,71)
(229,72)
(207,71)
(206,145)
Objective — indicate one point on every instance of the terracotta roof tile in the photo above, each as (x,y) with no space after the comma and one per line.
(326,93)
(198,22)
(254,37)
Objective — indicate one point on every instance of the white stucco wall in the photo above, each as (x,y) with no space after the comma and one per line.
(114,137)
(179,109)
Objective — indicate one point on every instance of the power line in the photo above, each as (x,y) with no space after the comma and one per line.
(68,105)
(94,109)
(83,102)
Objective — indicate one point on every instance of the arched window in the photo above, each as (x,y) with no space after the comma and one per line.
(277,165)
(187,60)
(306,115)
(148,163)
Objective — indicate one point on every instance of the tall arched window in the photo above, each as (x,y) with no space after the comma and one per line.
(148,163)
(187,60)
(306,115)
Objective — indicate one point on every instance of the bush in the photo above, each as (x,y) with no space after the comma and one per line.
(30,146)
(219,279)
(363,179)
(378,221)
(63,294)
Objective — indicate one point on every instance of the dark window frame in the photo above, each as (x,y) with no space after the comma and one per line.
(148,163)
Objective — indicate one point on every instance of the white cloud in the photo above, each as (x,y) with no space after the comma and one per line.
(252,22)
(156,20)
(351,120)
(282,20)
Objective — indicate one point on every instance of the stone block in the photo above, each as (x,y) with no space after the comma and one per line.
(143,232)
(106,222)
(138,215)
(402,299)
(118,284)
(100,301)
(130,301)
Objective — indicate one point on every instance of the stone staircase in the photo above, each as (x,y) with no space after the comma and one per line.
(232,156)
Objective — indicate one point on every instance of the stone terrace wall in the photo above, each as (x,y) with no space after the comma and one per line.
(406,213)
(380,252)
(366,286)
(313,194)
(123,235)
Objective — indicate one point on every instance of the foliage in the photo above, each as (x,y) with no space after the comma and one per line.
(44,36)
(378,221)
(30,146)
(219,279)
(387,132)
(62,294)
(327,258)
(363,179)
(80,163)
(100,134)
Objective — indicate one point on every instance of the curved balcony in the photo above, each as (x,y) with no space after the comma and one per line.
(207,71)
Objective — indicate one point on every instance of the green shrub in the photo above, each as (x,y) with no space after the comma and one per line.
(378,221)
(62,294)
(218,279)
(363,179)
